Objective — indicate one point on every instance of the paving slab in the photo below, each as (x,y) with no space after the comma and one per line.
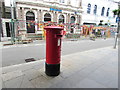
(11,75)
(32,74)
(26,83)
(41,82)
(23,66)
(3,85)
(90,84)
(104,78)
(14,83)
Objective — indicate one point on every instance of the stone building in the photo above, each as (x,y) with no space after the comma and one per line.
(60,11)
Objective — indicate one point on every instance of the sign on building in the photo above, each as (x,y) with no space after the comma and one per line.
(52,9)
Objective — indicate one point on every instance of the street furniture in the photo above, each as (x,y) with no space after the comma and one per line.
(54,36)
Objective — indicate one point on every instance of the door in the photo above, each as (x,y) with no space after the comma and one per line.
(8,29)
(30,18)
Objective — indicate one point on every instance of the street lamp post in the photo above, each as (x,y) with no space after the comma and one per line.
(118,28)
(0,29)
(12,22)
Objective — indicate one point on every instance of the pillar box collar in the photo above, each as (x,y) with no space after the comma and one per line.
(53,27)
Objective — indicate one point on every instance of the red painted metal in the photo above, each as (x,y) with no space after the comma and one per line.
(53,44)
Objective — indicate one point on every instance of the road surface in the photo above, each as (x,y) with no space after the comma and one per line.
(17,55)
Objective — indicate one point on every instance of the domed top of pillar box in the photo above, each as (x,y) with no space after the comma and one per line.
(53,28)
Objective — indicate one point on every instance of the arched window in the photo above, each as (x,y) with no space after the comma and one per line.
(30,16)
(89,8)
(47,17)
(72,19)
(103,10)
(95,9)
(61,19)
(107,14)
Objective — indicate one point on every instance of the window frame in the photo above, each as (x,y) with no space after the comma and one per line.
(103,11)
(107,14)
(88,8)
(95,10)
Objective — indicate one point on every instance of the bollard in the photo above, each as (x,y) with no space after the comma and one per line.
(53,50)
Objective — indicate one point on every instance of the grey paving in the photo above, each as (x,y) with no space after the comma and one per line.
(3,85)
(11,75)
(26,83)
(96,68)
(90,84)
(14,83)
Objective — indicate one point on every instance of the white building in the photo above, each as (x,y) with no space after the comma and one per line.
(98,10)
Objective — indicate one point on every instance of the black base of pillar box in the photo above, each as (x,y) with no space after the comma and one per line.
(52,69)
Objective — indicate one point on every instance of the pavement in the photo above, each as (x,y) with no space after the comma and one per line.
(9,43)
(96,68)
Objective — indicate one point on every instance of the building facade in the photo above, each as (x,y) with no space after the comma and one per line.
(28,11)
(5,21)
(99,11)
(59,11)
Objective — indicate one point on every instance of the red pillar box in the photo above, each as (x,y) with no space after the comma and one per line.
(53,50)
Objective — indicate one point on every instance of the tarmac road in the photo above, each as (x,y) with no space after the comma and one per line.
(17,55)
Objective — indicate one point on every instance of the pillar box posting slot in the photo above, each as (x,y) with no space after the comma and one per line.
(53,50)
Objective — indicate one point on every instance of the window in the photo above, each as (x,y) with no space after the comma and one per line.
(62,1)
(61,19)
(68,2)
(95,9)
(8,15)
(89,8)
(108,12)
(72,19)
(102,13)
(30,16)
(47,17)
(21,8)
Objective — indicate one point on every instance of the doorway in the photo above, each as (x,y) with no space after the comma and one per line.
(30,18)
(8,29)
